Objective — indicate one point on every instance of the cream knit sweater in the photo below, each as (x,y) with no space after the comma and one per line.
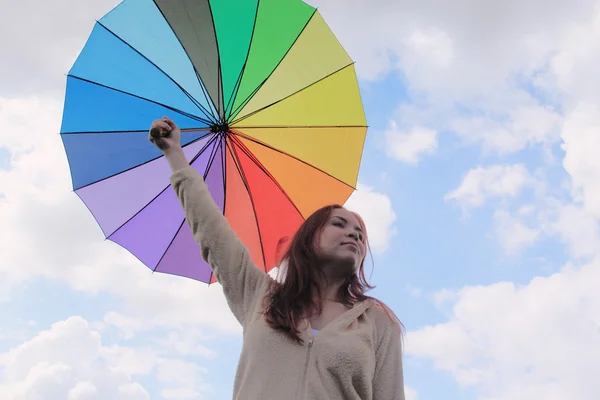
(355,357)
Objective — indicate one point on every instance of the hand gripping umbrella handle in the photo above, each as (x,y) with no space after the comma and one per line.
(156,132)
(157,135)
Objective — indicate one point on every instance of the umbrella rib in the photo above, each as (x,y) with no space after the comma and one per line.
(220,87)
(221,107)
(185,114)
(224,174)
(200,80)
(291,94)
(232,97)
(205,92)
(209,143)
(109,132)
(211,158)
(169,245)
(238,82)
(194,100)
(129,131)
(251,156)
(299,126)
(254,140)
(240,77)
(144,163)
(237,163)
(243,104)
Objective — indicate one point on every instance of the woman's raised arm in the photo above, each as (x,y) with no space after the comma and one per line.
(228,257)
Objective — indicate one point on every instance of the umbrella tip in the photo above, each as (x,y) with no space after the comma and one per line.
(220,127)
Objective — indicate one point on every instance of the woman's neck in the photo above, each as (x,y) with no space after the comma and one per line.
(332,282)
(330,290)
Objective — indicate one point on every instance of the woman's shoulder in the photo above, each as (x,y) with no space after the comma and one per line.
(382,316)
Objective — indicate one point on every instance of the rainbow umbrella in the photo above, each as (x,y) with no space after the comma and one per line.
(268,103)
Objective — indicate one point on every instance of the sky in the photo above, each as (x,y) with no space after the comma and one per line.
(479,186)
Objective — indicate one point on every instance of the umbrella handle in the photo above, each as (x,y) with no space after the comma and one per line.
(157,135)
(156,132)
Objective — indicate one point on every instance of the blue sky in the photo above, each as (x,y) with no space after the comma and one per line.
(481,161)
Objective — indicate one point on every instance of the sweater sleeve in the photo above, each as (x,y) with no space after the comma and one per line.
(388,382)
(220,247)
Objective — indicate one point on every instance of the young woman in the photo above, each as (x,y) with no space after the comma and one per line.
(314,334)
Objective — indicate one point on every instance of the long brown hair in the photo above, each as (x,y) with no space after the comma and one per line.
(298,296)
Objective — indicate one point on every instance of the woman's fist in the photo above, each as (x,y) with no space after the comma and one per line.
(165,134)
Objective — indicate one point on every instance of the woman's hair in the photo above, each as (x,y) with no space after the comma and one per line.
(298,295)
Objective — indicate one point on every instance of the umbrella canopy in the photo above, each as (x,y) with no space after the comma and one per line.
(269,107)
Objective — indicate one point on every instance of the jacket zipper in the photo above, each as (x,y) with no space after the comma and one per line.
(304,381)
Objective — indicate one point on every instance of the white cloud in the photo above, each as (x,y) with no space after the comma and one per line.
(511,342)
(571,70)
(415,292)
(522,124)
(527,210)
(488,39)
(182,378)
(42,51)
(187,343)
(514,235)
(16,332)
(128,327)
(575,227)
(464,63)
(496,181)
(410,393)
(435,46)
(581,136)
(444,296)
(69,361)
(65,362)
(136,361)
(379,216)
(409,147)
(427,52)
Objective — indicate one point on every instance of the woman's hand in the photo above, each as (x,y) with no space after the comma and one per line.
(165,135)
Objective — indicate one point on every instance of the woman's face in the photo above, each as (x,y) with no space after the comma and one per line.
(342,240)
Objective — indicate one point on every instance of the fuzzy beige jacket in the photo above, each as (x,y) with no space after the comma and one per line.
(355,357)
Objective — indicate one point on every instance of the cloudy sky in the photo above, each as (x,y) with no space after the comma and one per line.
(482,166)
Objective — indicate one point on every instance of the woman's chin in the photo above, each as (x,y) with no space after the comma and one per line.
(342,263)
(348,263)
(349,256)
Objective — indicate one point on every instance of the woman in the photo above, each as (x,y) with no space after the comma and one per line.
(314,335)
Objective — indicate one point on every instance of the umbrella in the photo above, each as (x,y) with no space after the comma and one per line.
(269,107)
